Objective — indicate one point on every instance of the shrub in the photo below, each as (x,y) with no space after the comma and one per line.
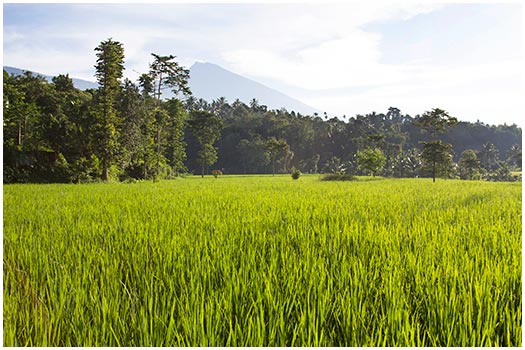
(338,177)
(295,173)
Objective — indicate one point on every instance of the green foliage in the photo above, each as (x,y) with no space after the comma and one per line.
(407,164)
(253,154)
(206,156)
(503,173)
(109,68)
(514,156)
(164,73)
(436,156)
(176,145)
(136,134)
(437,159)
(147,84)
(296,173)
(206,128)
(22,108)
(310,165)
(63,83)
(338,177)
(371,160)
(85,170)
(256,261)
(169,117)
(489,156)
(436,121)
(334,166)
(469,166)
(276,148)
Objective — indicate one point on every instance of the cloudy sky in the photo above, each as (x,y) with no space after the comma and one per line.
(341,58)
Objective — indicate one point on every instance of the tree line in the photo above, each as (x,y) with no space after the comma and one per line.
(126,130)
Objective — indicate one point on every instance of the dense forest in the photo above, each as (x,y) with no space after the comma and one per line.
(126,130)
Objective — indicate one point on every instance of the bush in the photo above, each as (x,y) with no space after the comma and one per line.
(502,173)
(295,173)
(338,177)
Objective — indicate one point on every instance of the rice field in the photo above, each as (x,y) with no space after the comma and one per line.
(263,261)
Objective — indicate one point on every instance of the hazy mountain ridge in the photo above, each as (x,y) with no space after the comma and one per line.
(78,83)
(210,81)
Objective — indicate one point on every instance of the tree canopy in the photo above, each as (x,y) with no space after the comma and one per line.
(109,71)
(54,132)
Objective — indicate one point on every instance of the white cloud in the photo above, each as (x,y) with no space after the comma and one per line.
(468,94)
(291,37)
(12,35)
(350,58)
(345,62)
(320,47)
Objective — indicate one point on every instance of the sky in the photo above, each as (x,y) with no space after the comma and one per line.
(342,58)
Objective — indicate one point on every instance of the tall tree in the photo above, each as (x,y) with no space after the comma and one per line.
(468,165)
(514,155)
(275,148)
(436,155)
(371,160)
(435,122)
(334,166)
(176,146)
(23,97)
(109,69)
(160,123)
(489,156)
(131,105)
(168,74)
(146,83)
(252,154)
(206,128)
(408,163)
(16,110)
(58,123)
(207,156)
(437,158)
(147,125)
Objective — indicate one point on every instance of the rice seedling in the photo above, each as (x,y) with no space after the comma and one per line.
(263,261)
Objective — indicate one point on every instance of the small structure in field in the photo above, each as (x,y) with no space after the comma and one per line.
(216,173)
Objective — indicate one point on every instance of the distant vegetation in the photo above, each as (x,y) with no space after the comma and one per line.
(54,132)
(338,177)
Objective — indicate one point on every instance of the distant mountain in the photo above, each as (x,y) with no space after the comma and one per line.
(210,81)
(78,83)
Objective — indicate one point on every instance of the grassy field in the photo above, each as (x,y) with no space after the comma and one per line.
(263,261)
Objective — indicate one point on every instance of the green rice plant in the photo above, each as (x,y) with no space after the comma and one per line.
(263,261)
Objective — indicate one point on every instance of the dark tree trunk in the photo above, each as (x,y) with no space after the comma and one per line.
(158,153)
(105,171)
(19,133)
